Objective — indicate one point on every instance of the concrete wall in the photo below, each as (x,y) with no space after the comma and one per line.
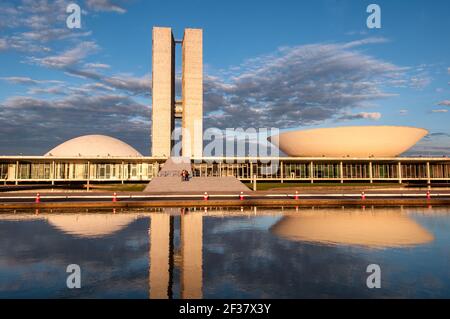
(163,90)
(192,93)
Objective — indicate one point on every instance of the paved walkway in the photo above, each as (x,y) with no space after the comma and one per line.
(169,180)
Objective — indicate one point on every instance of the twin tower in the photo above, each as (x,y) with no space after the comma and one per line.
(166,108)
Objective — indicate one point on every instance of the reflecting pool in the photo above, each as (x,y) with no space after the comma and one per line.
(226,252)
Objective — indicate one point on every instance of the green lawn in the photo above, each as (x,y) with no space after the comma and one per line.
(261,186)
(119,187)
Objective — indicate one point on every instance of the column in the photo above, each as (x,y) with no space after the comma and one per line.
(192,93)
(123,172)
(192,256)
(88,176)
(161,256)
(52,173)
(17,173)
(163,91)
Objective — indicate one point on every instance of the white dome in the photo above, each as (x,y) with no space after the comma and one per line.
(93,146)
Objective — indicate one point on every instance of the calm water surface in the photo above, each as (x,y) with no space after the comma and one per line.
(226,253)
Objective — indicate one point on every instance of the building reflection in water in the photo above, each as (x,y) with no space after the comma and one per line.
(161,256)
(90,225)
(191,255)
(368,228)
(162,259)
(385,228)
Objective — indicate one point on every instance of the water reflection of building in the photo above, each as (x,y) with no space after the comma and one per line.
(369,228)
(90,225)
(191,250)
(380,229)
(162,255)
(81,225)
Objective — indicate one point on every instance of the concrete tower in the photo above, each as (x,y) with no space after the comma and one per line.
(163,91)
(192,93)
(165,107)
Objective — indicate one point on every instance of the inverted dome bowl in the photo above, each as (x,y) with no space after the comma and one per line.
(352,141)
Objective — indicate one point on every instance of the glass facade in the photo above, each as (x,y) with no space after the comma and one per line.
(41,169)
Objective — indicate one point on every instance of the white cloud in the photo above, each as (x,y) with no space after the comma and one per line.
(34,22)
(3,44)
(444,103)
(300,85)
(439,111)
(105,5)
(69,57)
(363,115)
(434,144)
(132,84)
(97,66)
(33,124)
(17,42)
(359,33)
(26,80)
(420,82)
(52,90)
(47,35)
(373,40)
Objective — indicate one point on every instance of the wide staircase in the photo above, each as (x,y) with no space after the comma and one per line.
(169,180)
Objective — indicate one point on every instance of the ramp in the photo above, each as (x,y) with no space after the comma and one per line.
(169,180)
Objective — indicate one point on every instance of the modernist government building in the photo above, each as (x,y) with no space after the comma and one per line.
(345,154)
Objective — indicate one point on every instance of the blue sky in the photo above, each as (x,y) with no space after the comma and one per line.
(287,64)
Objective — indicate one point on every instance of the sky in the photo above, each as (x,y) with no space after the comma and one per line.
(283,64)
